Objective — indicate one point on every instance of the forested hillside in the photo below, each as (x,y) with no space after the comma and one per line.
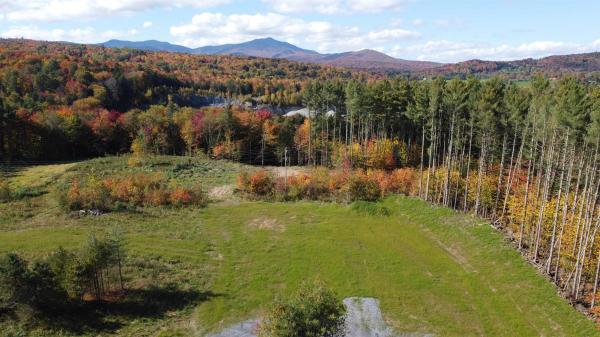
(66,101)
(584,65)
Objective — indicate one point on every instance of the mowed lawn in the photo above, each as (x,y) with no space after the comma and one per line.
(434,271)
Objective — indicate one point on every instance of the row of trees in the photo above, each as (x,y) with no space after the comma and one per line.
(525,157)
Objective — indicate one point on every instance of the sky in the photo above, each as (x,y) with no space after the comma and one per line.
(430,30)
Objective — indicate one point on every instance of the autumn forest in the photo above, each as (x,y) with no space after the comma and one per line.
(522,154)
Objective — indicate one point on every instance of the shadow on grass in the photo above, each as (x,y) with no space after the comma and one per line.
(102,316)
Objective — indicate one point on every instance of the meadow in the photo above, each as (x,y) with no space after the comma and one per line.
(195,270)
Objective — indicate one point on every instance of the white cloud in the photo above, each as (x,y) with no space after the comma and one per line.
(83,35)
(62,10)
(447,51)
(216,28)
(376,6)
(295,6)
(417,22)
(147,24)
(396,22)
(334,6)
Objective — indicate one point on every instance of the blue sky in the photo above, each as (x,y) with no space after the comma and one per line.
(436,30)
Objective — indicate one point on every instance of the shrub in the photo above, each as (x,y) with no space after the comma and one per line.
(184,197)
(26,192)
(316,184)
(64,277)
(92,194)
(258,183)
(313,311)
(140,189)
(360,187)
(370,208)
(36,286)
(402,181)
(324,184)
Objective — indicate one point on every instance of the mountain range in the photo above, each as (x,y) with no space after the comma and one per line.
(368,59)
(271,48)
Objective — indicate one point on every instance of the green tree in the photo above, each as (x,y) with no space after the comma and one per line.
(314,311)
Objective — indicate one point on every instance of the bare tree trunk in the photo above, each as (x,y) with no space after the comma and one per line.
(555,218)
(465,205)
(501,173)
(460,170)
(480,172)
(526,205)
(564,218)
(450,144)
(512,172)
(429,161)
(547,184)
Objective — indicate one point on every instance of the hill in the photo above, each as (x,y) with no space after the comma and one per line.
(376,61)
(552,66)
(271,48)
(434,271)
(150,45)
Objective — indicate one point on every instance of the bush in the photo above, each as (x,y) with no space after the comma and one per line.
(259,183)
(63,278)
(27,192)
(317,184)
(314,311)
(324,184)
(36,287)
(362,188)
(185,197)
(402,181)
(140,189)
(91,194)
(370,208)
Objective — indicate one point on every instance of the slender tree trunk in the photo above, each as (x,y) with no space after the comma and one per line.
(547,185)
(480,172)
(466,203)
(429,161)
(501,173)
(526,205)
(422,158)
(558,198)
(449,162)
(564,218)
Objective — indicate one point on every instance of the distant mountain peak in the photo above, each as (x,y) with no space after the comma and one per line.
(269,47)
(151,45)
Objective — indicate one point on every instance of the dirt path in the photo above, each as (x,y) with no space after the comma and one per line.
(291,171)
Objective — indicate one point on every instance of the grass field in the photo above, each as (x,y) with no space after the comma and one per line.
(434,271)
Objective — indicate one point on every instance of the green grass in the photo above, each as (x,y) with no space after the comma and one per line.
(434,271)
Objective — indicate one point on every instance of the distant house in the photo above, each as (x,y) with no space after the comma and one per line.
(304,112)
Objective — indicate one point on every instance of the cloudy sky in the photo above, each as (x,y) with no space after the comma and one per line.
(435,30)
